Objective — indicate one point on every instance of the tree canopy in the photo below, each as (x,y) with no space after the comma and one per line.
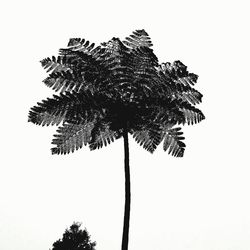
(74,238)
(114,86)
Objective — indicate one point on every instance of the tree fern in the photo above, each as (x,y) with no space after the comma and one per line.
(116,88)
(93,80)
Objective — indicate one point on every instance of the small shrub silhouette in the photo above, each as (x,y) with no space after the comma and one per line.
(74,238)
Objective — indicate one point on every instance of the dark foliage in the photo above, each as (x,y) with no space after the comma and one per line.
(115,86)
(74,239)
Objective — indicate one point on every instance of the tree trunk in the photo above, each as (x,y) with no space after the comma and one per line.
(125,235)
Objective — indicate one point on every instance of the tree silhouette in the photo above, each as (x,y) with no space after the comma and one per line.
(74,239)
(111,90)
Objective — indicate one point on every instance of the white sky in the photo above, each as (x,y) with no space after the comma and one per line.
(197,202)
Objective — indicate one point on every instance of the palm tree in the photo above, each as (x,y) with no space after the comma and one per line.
(111,90)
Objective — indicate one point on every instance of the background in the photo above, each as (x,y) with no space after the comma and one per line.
(197,202)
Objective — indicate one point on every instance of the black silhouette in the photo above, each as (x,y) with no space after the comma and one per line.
(114,89)
(74,239)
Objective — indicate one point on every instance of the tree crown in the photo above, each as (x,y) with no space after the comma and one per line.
(74,238)
(117,86)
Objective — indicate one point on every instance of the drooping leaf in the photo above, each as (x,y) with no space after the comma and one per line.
(166,110)
(192,115)
(102,135)
(71,137)
(173,142)
(177,111)
(148,136)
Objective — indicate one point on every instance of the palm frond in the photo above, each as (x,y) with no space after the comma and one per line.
(178,71)
(119,75)
(148,136)
(139,38)
(167,111)
(102,135)
(192,115)
(63,81)
(77,67)
(143,62)
(79,44)
(75,107)
(64,75)
(129,70)
(179,81)
(191,95)
(176,111)
(51,111)
(143,57)
(57,64)
(114,48)
(71,137)
(173,142)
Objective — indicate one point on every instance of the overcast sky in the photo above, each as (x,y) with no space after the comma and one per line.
(197,202)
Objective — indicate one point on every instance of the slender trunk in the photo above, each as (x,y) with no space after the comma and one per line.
(125,235)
